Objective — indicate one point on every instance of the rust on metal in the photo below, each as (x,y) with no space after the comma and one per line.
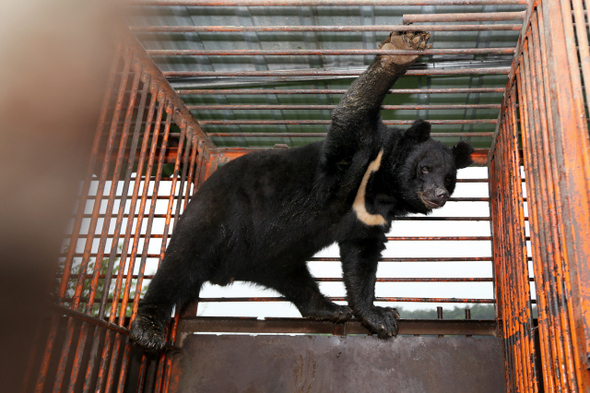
(545,107)
(315,73)
(452,90)
(465,17)
(273,29)
(329,52)
(297,3)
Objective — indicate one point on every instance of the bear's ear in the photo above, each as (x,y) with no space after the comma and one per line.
(462,153)
(419,131)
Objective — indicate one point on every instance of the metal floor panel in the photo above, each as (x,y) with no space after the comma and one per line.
(273,363)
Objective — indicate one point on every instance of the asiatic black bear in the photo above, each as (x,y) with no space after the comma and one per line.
(260,217)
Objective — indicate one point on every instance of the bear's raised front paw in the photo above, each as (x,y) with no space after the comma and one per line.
(405,40)
(147,332)
(382,321)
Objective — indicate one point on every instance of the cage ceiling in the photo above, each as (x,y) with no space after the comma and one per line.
(260,73)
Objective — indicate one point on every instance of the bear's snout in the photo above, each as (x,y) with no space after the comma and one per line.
(435,198)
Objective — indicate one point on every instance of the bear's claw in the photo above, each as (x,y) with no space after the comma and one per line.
(146,332)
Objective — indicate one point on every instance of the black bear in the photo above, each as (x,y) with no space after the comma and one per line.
(260,217)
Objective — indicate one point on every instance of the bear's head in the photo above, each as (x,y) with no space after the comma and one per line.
(427,174)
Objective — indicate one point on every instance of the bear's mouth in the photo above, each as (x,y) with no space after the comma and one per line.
(431,204)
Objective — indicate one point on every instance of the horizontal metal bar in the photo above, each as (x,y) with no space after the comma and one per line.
(300,325)
(428,218)
(323,134)
(316,3)
(332,107)
(166,198)
(329,279)
(343,299)
(328,122)
(412,259)
(337,259)
(474,90)
(327,52)
(472,180)
(418,279)
(295,29)
(463,17)
(325,73)
(88,318)
(409,238)
(439,238)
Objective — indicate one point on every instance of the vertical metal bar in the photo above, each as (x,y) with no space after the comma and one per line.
(583,46)
(82,338)
(39,387)
(142,373)
(511,279)
(110,380)
(521,270)
(124,366)
(542,251)
(540,277)
(159,375)
(192,170)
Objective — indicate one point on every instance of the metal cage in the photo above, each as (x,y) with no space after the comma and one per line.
(201,85)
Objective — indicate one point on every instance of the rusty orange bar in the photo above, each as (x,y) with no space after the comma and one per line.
(325,28)
(311,3)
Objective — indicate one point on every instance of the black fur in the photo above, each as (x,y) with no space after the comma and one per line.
(261,217)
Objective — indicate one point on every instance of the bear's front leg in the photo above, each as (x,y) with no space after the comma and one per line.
(359,265)
(356,119)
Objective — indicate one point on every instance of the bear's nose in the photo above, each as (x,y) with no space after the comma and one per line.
(441,194)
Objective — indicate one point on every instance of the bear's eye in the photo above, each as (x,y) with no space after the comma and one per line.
(425,170)
(449,179)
